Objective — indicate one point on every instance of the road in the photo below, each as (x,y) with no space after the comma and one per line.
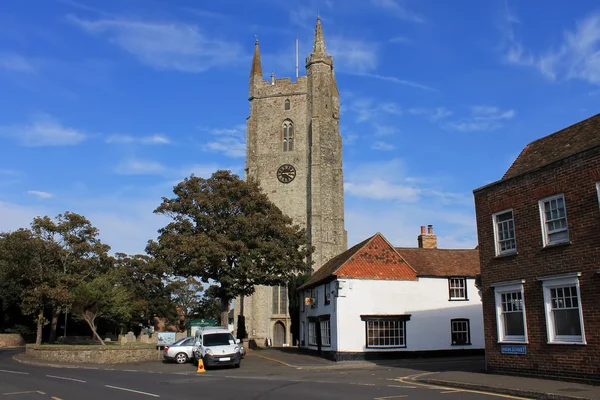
(256,379)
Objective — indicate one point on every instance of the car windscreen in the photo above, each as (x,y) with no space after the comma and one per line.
(218,339)
(178,343)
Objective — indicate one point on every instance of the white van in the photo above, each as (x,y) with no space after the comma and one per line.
(216,346)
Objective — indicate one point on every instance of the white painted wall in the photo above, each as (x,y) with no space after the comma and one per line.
(426,300)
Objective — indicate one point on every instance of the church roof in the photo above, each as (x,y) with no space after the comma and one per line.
(256,64)
(576,138)
(374,258)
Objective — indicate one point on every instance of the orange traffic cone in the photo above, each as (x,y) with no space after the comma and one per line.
(200,366)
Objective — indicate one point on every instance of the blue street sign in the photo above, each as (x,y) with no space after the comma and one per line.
(513,349)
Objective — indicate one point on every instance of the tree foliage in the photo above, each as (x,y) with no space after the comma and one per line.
(226,230)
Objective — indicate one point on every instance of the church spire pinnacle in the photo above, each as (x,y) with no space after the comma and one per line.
(256,65)
(319,47)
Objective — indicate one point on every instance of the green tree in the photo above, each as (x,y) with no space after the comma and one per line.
(146,279)
(209,306)
(186,293)
(104,296)
(226,230)
(76,253)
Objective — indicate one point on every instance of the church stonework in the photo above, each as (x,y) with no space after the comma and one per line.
(294,151)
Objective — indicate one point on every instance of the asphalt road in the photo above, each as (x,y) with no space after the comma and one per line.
(256,379)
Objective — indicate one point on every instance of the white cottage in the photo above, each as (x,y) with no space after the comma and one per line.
(377,301)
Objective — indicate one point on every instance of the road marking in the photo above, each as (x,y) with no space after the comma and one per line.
(29,391)
(66,379)
(391,397)
(132,391)
(14,372)
(451,391)
(434,386)
(130,370)
(403,387)
(55,398)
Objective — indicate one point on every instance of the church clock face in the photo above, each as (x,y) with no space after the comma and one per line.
(286,173)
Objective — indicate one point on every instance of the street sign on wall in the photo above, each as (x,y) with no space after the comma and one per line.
(513,349)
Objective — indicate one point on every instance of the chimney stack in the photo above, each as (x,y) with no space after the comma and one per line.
(427,240)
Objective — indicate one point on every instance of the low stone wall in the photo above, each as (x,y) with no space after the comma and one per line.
(11,340)
(93,354)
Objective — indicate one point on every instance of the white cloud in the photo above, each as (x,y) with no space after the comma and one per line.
(434,114)
(126,139)
(40,194)
(398,9)
(44,131)
(383,146)
(353,55)
(384,130)
(482,118)
(134,166)
(165,45)
(378,189)
(16,63)
(577,57)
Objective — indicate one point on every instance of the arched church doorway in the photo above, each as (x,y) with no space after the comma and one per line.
(278,334)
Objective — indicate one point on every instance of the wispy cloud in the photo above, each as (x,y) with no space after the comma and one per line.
(378,189)
(366,109)
(40,194)
(482,118)
(577,57)
(164,45)
(134,166)
(16,63)
(399,9)
(43,131)
(397,81)
(384,130)
(229,141)
(383,146)
(434,114)
(127,139)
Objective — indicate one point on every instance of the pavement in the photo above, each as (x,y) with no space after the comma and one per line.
(451,374)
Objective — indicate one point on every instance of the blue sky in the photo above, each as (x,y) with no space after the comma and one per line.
(105,105)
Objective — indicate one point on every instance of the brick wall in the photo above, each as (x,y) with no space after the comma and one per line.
(576,178)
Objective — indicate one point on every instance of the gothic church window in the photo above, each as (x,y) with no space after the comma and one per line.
(288,136)
(280,297)
(286,105)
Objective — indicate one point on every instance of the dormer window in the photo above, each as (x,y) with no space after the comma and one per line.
(287,105)
(288,136)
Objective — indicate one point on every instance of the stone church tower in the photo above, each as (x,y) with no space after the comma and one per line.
(294,150)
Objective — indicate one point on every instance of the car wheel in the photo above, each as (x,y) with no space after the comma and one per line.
(181,358)
(237,365)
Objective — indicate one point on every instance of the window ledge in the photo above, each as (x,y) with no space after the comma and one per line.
(553,245)
(463,344)
(513,342)
(506,255)
(583,343)
(458,299)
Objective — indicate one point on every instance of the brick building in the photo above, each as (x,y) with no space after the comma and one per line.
(539,246)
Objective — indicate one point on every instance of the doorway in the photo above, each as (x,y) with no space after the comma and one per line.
(278,334)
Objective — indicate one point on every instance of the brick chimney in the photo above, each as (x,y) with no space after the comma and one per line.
(427,240)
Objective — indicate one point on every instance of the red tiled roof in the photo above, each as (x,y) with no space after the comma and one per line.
(373,258)
(582,136)
(442,262)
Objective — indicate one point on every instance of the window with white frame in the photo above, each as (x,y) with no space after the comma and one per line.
(312,333)
(598,190)
(562,303)
(504,232)
(314,295)
(554,220)
(461,334)
(510,312)
(457,288)
(386,332)
(327,293)
(325,332)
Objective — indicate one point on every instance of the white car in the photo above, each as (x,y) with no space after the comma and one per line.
(181,351)
(216,346)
